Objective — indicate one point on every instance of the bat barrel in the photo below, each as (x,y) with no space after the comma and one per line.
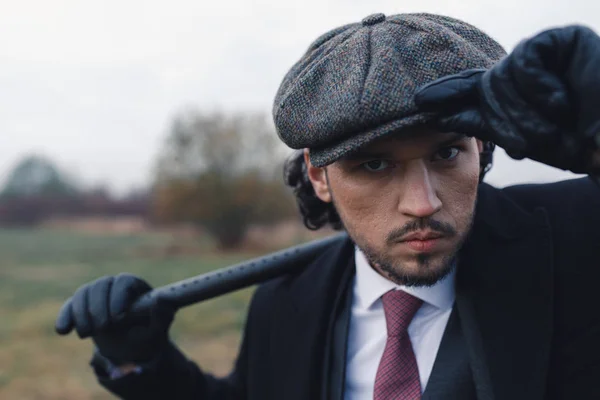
(244,274)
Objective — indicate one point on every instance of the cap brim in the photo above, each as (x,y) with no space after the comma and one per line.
(323,156)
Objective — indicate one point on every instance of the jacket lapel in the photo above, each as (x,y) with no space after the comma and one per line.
(504,297)
(302,323)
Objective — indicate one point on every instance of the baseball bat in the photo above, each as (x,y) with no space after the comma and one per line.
(216,283)
(212,284)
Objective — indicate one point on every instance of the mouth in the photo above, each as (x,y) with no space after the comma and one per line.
(424,236)
(422,241)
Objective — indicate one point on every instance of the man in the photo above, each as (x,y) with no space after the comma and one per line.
(447,288)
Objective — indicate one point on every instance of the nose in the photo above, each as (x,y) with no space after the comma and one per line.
(418,197)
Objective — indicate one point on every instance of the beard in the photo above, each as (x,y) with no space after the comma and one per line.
(431,268)
(430,271)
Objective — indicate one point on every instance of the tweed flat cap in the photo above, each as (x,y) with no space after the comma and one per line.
(356,83)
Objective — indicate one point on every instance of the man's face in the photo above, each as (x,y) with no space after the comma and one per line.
(407,201)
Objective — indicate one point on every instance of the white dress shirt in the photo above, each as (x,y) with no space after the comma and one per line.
(368,331)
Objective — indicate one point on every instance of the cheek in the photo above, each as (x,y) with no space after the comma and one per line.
(458,192)
(362,206)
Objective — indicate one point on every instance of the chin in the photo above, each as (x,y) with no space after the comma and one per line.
(420,270)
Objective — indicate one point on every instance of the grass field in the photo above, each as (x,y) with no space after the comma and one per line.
(40,269)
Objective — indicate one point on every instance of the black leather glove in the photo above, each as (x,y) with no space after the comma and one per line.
(542,101)
(98,310)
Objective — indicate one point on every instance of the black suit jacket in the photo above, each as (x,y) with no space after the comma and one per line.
(527,295)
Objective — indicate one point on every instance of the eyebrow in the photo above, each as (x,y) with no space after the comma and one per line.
(455,138)
(364,154)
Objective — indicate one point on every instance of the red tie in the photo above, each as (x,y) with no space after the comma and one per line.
(398,375)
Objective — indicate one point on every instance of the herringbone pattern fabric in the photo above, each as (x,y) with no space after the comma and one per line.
(356,83)
(398,374)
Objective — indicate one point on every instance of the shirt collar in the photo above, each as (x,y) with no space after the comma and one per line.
(370,286)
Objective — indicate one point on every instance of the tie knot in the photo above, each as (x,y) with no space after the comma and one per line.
(399,308)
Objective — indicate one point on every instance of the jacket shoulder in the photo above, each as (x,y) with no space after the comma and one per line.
(573,195)
(324,269)
(572,208)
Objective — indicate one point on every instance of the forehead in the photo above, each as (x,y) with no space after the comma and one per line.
(407,144)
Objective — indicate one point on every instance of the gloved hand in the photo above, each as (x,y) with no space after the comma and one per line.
(542,101)
(98,310)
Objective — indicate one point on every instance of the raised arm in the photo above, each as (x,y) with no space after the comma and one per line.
(542,101)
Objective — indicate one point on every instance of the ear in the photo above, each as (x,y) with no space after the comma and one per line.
(479,145)
(318,178)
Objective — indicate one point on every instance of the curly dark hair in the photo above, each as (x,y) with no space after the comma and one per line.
(317,213)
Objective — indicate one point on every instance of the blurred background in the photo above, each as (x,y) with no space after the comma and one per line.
(136,136)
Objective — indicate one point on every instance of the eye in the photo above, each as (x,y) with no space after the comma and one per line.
(376,165)
(447,154)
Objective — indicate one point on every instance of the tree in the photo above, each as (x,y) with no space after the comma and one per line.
(222,172)
(36,189)
(36,175)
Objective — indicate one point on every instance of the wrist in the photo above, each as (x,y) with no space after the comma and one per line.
(122,370)
(106,368)
(595,160)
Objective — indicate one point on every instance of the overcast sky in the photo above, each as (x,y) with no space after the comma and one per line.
(94,85)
